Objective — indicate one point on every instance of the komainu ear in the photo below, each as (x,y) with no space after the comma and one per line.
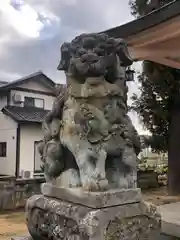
(65,57)
(123,53)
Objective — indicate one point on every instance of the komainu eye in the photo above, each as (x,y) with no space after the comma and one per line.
(89,42)
(99,51)
(81,51)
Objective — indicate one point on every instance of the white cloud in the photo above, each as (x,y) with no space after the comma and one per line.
(69,2)
(3,41)
(119,19)
(26,20)
(5,76)
(23,21)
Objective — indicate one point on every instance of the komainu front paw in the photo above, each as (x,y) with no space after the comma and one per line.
(91,186)
(96,186)
(103,185)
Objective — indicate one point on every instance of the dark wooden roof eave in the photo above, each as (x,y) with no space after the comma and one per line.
(152,19)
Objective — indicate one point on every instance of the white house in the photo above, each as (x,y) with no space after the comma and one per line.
(23,103)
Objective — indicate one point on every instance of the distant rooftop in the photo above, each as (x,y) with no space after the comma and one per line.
(2,83)
(25,114)
(37,76)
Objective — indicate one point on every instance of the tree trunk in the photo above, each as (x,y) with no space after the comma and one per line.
(174,153)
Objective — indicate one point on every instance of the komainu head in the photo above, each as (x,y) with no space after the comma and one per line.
(93,55)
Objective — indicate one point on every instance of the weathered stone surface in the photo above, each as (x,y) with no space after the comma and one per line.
(92,199)
(49,218)
(88,130)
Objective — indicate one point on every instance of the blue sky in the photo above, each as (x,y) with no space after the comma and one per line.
(32,32)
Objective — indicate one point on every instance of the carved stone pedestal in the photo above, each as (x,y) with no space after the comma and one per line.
(75,214)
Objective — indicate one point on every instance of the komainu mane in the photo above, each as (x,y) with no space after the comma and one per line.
(89,140)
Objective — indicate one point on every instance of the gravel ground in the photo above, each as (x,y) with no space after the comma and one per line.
(12,224)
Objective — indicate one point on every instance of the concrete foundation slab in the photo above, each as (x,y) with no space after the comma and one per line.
(170,214)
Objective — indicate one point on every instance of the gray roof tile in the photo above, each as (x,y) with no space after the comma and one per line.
(25,114)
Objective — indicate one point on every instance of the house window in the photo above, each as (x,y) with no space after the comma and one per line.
(29,102)
(39,103)
(33,102)
(3,149)
(37,158)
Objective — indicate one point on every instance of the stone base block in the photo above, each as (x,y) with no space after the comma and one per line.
(110,198)
(50,218)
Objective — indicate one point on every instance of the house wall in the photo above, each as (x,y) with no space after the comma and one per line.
(29,133)
(3,101)
(48,100)
(35,86)
(152,158)
(8,134)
